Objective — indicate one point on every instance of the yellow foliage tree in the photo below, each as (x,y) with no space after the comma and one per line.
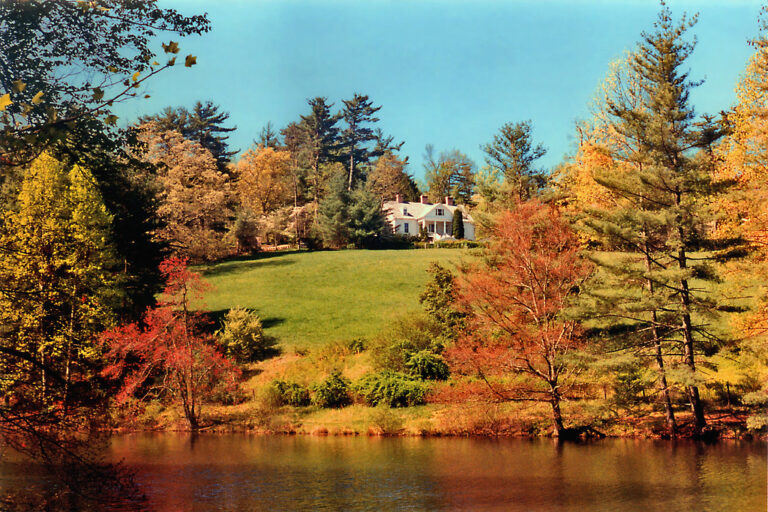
(264,179)
(58,282)
(194,197)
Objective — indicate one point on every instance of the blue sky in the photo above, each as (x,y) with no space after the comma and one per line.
(447,73)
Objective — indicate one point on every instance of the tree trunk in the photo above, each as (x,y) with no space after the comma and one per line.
(685,301)
(351,165)
(663,387)
(557,417)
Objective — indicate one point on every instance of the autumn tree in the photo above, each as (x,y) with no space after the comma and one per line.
(389,178)
(512,154)
(517,299)
(57,287)
(168,354)
(263,179)
(194,196)
(204,124)
(743,160)
(452,174)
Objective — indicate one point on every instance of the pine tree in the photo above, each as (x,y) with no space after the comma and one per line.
(457,229)
(319,141)
(333,213)
(358,113)
(512,155)
(662,189)
(268,137)
(203,124)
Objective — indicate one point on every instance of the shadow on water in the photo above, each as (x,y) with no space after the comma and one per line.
(244,264)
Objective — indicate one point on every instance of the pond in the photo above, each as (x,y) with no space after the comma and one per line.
(245,472)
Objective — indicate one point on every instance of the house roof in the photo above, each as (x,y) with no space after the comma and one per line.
(418,211)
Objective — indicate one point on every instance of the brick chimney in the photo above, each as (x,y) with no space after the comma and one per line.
(423,199)
(398,198)
(449,200)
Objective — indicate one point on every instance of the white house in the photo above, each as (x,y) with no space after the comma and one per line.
(406,218)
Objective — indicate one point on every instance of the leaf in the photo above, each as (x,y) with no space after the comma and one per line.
(147,96)
(172,62)
(5,100)
(19,86)
(135,76)
(155,63)
(112,69)
(172,47)
(190,61)
(98,94)
(37,98)
(111,119)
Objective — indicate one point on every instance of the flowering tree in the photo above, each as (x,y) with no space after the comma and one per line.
(517,299)
(168,354)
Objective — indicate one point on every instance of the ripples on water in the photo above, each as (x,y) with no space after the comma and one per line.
(242,472)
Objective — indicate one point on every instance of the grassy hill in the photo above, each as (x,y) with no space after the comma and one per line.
(313,298)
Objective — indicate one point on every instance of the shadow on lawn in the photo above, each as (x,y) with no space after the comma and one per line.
(244,264)
(216,320)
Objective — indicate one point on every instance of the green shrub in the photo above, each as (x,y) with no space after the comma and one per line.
(427,365)
(242,336)
(357,345)
(391,388)
(291,393)
(332,392)
(407,336)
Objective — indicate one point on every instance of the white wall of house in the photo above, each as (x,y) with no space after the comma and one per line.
(400,227)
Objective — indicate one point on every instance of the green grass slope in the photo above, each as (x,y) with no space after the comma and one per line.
(312,298)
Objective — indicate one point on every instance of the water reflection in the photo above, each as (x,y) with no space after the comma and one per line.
(242,472)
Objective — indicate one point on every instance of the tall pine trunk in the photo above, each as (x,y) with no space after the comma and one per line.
(663,386)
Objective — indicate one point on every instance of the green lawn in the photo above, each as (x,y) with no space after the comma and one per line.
(311,298)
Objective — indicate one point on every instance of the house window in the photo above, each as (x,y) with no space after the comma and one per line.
(405,211)
(431,228)
(406,228)
(440,211)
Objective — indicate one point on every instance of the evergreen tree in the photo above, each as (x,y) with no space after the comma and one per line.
(319,141)
(457,229)
(293,142)
(333,213)
(268,137)
(348,217)
(358,113)
(203,124)
(662,189)
(366,218)
(512,154)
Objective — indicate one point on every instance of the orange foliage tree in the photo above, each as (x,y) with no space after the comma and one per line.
(518,301)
